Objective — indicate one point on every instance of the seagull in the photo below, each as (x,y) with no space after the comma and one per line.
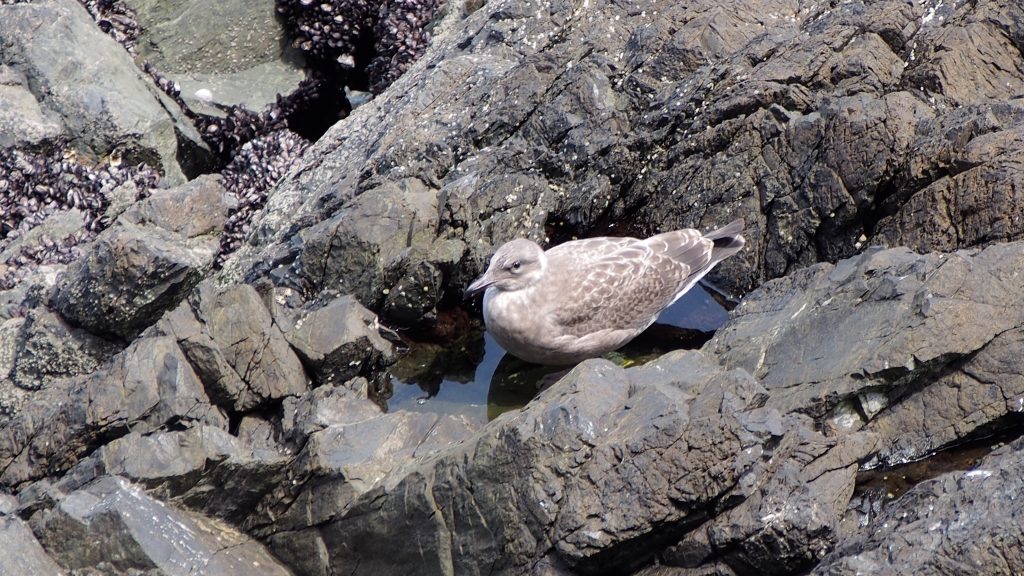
(584,298)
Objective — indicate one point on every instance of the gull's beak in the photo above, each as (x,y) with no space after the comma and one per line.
(478,285)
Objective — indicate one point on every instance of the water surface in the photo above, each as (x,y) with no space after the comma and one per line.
(474,377)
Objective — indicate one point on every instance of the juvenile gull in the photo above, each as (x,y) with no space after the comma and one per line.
(583,298)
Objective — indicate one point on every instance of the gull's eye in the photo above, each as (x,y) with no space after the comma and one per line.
(516,266)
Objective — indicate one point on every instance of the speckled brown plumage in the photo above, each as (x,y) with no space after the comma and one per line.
(587,297)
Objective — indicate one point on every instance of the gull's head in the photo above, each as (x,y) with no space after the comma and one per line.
(516,265)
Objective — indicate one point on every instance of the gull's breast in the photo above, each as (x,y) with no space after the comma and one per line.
(517,321)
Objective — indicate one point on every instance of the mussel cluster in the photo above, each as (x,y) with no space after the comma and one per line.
(259,164)
(388,35)
(35,185)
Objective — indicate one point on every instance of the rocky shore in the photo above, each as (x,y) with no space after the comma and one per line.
(222,225)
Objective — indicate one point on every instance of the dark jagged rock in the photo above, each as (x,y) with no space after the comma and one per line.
(113,527)
(203,468)
(895,364)
(46,349)
(326,406)
(567,120)
(147,387)
(338,341)
(237,349)
(599,473)
(961,521)
(130,276)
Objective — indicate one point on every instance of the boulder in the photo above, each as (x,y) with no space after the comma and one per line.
(915,348)
(102,101)
(112,527)
(338,341)
(47,349)
(600,473)
(129,277)
(196,210)
(147,387)
(232,341)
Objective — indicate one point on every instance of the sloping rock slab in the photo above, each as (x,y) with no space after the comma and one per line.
(22,552)
(113,527)
(599,473)
(922,347)
(79,74)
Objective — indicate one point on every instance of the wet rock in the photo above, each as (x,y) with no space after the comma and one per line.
(113,527)
(338,341)
(102,99)
(235,346)
(22,552)
(963,520)
(914,348)
(599,473)
(149,386)
(326,406)
(130,276)
(224,54)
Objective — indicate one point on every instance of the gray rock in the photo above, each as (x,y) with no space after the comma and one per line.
(915,348)
(113,527)
(22,120)
(147,387)
(22,552)
(963,521)
(130,276)
(233,50)
(238,351)
(820,128)
(326,406)
(338,341)
(46,349)
(195,210)
(341,463)
(203,468)
(599,473)
(80,75)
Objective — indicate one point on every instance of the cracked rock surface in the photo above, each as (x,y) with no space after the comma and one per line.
(171,406)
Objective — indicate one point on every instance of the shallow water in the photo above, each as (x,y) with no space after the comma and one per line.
(481,384)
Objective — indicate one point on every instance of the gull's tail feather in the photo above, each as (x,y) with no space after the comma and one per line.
(728,241)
